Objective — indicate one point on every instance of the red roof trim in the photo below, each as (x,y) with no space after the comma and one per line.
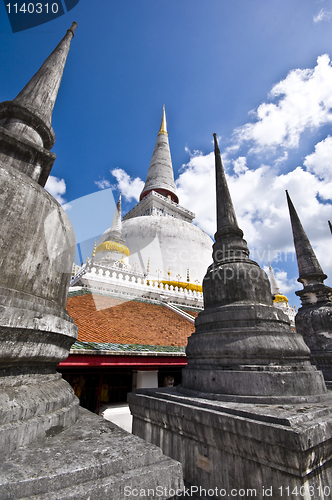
(84,360)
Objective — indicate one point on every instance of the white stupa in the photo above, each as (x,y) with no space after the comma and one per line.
(156,252)
(111,248)
(160,231)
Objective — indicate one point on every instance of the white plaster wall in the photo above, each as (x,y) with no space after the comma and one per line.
(147,379)
(169,243)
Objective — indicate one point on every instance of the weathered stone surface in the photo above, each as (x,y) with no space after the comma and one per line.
(94,460)
(231,445)
(37,245)
(315,323)
(33,407)
(243,345)
(314,318)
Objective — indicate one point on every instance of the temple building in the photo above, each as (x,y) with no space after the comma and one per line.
(135,299)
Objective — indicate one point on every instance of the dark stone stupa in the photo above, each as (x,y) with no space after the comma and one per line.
(314,318)
(50,448)
(243,347)
(37,244)
(252,412)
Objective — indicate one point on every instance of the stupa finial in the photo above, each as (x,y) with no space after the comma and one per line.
(226,217)
(274,285)
(116,226)
(163,126)
(229,242)
(41,91)
(160,176)
(29,116)
(308,265)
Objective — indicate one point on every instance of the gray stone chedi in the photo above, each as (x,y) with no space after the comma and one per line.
(314,318)
(253,415)
(50,449)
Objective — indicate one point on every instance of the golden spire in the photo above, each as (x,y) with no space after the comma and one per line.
(169,273)
(188,277)
(163,126)
(94,249)
(148,266)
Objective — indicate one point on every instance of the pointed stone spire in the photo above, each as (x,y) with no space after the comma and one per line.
(330,226)
(41,91)
(314,317)
(226,217)
(243,346)
(274,285)
(111,245)
(26,122)
(229,237)
(163,126)
(116,227)
(160,176)
(309,268)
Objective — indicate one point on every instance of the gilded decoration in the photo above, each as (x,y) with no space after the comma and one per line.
(112,246)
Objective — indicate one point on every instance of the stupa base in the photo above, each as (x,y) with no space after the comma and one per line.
(93,460)
(241,450)
(33,407)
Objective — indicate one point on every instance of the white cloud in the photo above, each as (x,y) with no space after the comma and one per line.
(103,184)
(323,15)
(304,101)
(240,165)
(196,190)
(285,284)
(320,162)
(281,159)
(130,188)
(56,187)
(260,204)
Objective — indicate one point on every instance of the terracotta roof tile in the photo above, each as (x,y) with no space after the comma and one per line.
(106,319)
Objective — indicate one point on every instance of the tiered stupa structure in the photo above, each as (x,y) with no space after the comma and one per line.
(252,412)
(314,318)
(156,247)
(43,454)
(111,248)
(160,229)
(280,300)
(37,249)
(160,176)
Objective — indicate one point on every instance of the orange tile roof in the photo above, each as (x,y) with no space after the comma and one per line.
(110,320)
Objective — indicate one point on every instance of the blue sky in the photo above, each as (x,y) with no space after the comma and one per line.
(245,69)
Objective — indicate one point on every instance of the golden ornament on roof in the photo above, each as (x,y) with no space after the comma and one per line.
(112,246)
